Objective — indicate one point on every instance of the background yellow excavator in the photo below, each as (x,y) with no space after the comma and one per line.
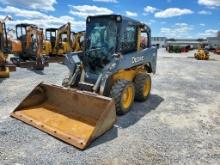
(58,40)
(5,66)
(78,41)
(30,37)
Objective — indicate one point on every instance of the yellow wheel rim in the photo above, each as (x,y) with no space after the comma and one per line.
(127,96)
(146,87)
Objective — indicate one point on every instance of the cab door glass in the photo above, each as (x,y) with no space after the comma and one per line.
(48,35)
(52,36)
(129,39)
(23,31)
(34,42)
(64,37)
(144,40)
(19,34)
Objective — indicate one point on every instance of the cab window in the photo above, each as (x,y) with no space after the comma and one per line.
(144,40)
(19,33)
(129,39)
(64,37)
(23,31)
(47,35)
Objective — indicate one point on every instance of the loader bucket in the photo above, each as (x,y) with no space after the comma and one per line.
(76,117)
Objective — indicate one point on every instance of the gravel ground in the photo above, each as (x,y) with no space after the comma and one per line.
(179,124)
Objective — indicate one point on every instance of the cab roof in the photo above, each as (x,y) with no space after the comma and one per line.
(123,18)
(25,25)
(51,29)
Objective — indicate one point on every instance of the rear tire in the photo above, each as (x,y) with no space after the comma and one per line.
(123,93)
(142,84)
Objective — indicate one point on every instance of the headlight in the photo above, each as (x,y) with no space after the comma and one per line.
(118,18)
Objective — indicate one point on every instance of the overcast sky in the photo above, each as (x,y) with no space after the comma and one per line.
(169,18)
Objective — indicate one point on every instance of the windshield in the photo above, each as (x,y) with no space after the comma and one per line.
(50,35)
(100,43)
(20,31)
(102,34)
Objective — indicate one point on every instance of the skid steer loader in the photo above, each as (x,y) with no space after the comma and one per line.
(58,42)
(30,37)
(5,66)
(113,72)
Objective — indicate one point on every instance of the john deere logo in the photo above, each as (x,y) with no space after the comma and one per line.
(137,59)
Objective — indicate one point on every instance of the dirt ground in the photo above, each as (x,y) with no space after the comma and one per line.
(179,124)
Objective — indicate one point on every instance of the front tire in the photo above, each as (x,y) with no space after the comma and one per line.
(123,93)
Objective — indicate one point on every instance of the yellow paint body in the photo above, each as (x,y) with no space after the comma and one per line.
(62,51)
(4,67)
(47,48)
(76,43)
(128,74)
(16,46)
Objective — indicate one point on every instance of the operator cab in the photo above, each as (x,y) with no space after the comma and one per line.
(51,34)
(22,34)
(21,30)
(107,35)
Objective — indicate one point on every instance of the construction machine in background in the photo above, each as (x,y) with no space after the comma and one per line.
(217,51)
(5,66)
(78,41)
(178,49)
(113,72)
(58,42)
(30,37)
(201,53)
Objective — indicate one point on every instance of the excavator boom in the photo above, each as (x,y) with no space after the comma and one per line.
(5,66)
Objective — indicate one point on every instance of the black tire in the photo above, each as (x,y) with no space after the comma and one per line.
(39,64)
(15,61)
(117,93)
(139,83)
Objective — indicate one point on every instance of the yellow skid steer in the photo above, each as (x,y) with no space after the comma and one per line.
(113,71)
